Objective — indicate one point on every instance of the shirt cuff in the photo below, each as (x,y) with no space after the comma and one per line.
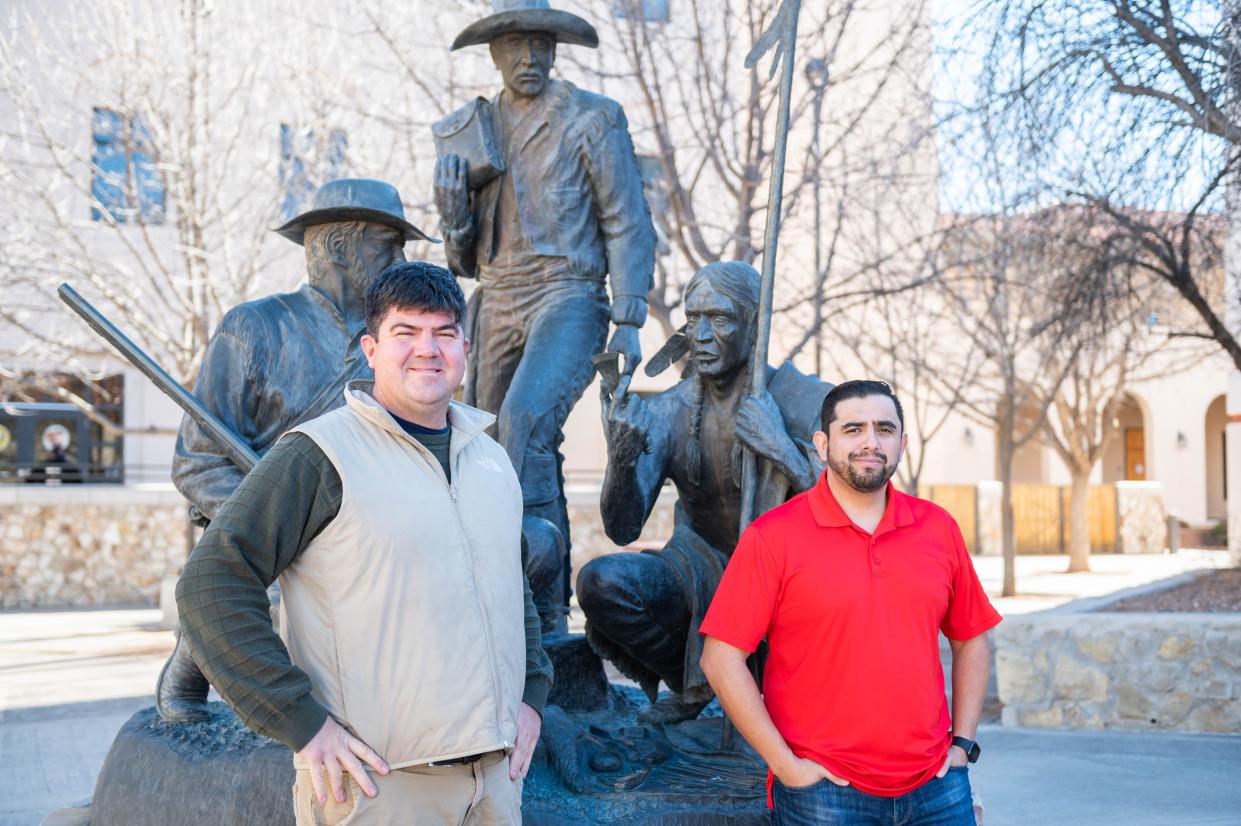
(300,725)
(980,627)
(629,309)
(537,689)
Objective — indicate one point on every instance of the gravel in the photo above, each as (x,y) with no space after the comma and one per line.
(1215,591)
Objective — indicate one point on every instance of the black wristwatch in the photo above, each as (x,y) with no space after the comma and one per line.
(971,748)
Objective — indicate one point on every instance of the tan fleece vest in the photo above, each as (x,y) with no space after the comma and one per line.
(406,611)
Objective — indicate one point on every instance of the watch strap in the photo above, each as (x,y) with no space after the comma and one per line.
(970,747)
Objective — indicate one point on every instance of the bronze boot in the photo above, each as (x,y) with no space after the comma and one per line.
(181,690)
(677,707)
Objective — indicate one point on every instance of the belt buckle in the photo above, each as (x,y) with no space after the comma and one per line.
(459,761)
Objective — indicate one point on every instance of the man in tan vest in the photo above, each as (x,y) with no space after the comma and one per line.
(409,676)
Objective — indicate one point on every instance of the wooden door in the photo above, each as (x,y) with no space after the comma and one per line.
(1135,453)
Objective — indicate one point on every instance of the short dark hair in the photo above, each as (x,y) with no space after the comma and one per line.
(413,285)
(857,389)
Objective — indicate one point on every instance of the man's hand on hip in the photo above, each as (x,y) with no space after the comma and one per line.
(803,772)
(956,757)
(529,724)
(335,751)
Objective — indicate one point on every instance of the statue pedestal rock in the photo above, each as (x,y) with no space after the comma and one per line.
(594,764)
(598,765)
(216,771)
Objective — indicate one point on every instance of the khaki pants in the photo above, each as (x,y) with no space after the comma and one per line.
(476,794)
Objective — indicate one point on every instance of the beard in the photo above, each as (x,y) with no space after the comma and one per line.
(863,481)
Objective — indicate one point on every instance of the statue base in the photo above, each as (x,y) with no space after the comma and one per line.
(217,771)
(600,766)
(594,764)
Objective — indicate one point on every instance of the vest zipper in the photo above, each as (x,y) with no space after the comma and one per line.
(482,611)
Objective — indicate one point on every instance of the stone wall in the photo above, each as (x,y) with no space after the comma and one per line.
(1121,670)
(1142,521)
(72,545)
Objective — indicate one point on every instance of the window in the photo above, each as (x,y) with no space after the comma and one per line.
(305,163)
(648,11)
(125,182)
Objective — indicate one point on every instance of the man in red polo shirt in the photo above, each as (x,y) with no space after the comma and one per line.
(851,583)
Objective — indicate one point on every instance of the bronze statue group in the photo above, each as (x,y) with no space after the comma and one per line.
(420,544)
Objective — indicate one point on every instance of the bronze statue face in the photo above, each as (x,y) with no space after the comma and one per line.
(525,61)
(379,247)
(351,251)
(719,339)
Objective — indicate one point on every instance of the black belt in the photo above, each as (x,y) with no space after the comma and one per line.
(459,761)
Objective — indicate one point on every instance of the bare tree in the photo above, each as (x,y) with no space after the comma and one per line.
(158,202)
(706,123)
(905,335)
(1129,105)
(1127,320)
(1008,290)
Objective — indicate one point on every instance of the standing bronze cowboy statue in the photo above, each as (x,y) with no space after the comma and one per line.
(541,202)
(281,360)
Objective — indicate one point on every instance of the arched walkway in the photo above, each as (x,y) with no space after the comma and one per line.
(1216,459)
(1126,456)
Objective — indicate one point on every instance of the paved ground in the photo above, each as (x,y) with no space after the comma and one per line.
(69,680)
(1032,777)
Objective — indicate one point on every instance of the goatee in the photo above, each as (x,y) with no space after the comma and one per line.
(867,481)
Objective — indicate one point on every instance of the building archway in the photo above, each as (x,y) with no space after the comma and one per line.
(1126,456)
(1216,458)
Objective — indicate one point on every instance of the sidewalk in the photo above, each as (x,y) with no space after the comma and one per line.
(1042,583)
(1032,777)
(69,679)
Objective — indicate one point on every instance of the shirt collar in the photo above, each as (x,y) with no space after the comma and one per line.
(466,422)
(828,513)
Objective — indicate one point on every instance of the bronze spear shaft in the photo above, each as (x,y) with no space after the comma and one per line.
(783,36)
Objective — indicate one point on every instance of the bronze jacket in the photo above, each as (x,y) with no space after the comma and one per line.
(271,364)
(579,196)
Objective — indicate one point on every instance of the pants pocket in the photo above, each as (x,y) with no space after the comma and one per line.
(306,808)
(820,804)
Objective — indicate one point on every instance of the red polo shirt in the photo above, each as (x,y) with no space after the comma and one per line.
(853,678)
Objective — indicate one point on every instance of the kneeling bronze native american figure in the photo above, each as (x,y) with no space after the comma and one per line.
(643,609)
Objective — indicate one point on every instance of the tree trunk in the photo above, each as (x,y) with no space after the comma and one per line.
(1079,521)
(1008,532)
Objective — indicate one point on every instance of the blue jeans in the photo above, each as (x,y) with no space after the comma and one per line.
(938,802)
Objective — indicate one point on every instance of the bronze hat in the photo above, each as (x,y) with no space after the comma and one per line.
(528,16)
(354,199)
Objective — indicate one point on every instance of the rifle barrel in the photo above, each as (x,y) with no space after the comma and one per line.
(238,451)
